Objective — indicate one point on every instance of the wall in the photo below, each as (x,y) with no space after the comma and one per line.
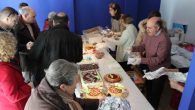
(145,7)
(90,13)
(43,7)
(174,11)
(85,14)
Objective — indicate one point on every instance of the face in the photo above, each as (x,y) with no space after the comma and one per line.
(29,18)
(112,11)
(12,20)
(151,28)
(71,88)
(122,22)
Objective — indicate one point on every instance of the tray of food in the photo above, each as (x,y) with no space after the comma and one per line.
(91,66)
(93,92)
(91,77)
(117,90)
(112,77)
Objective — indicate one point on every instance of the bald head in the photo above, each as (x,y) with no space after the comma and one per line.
(28,14)
(153,25)
(61,18)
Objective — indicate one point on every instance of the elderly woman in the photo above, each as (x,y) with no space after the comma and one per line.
(126,40)
(55,92)
(13,91)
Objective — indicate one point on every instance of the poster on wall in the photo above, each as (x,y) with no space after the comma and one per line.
(180,30)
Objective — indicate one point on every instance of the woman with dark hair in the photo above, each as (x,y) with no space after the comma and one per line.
(115,12)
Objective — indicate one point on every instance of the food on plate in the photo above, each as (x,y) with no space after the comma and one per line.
(99,54)
(91,77)
(91,66)
(117,90)
(89,47)
(93,92)
(112,77)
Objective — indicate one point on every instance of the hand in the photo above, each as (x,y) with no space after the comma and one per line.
(176,85)
(155,74)
(29,45)
(134,61)
(129,50)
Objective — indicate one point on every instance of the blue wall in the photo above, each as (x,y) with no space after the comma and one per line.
(188,96)
(43,7)
(87,13)
(145,7)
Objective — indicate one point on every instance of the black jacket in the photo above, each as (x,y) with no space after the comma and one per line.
(56,43)
(23,34)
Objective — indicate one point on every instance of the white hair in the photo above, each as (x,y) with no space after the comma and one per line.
(51,15)
(61,72)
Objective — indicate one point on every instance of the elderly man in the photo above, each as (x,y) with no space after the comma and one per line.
(55,43)
(157,47)
(27,29)
(56,90)
(8,19)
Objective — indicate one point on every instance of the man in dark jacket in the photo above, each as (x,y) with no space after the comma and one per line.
(27,29)
(56,43)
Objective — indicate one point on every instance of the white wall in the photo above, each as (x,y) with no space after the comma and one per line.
(181,11)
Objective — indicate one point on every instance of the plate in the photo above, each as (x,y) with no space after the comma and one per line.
(117,90)
(112,78)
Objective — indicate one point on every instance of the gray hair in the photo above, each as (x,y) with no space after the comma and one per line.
(51,15)
(27,10)
(61,72)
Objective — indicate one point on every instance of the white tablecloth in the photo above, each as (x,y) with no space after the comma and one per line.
(137,100)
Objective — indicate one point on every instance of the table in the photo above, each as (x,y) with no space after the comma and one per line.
(109,65)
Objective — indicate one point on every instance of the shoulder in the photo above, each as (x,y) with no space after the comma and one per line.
(7,69)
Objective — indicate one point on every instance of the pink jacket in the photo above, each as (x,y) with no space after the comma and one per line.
(14,93)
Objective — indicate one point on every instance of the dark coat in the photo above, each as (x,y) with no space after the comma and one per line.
(56,43)
(23,34)
(45,98)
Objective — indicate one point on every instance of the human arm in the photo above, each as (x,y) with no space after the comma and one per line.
(175,85)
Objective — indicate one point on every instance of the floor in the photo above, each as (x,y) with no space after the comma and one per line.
(166,97)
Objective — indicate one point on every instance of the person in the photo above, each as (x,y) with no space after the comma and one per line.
(142,26)
(21,5)
(115,12)
(157,47)
(8,19)
(56,89)
(49,21)
(27,29)
(55,43)
(126,40)
(13,91)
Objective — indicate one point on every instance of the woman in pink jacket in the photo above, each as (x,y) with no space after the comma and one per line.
(14,93)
